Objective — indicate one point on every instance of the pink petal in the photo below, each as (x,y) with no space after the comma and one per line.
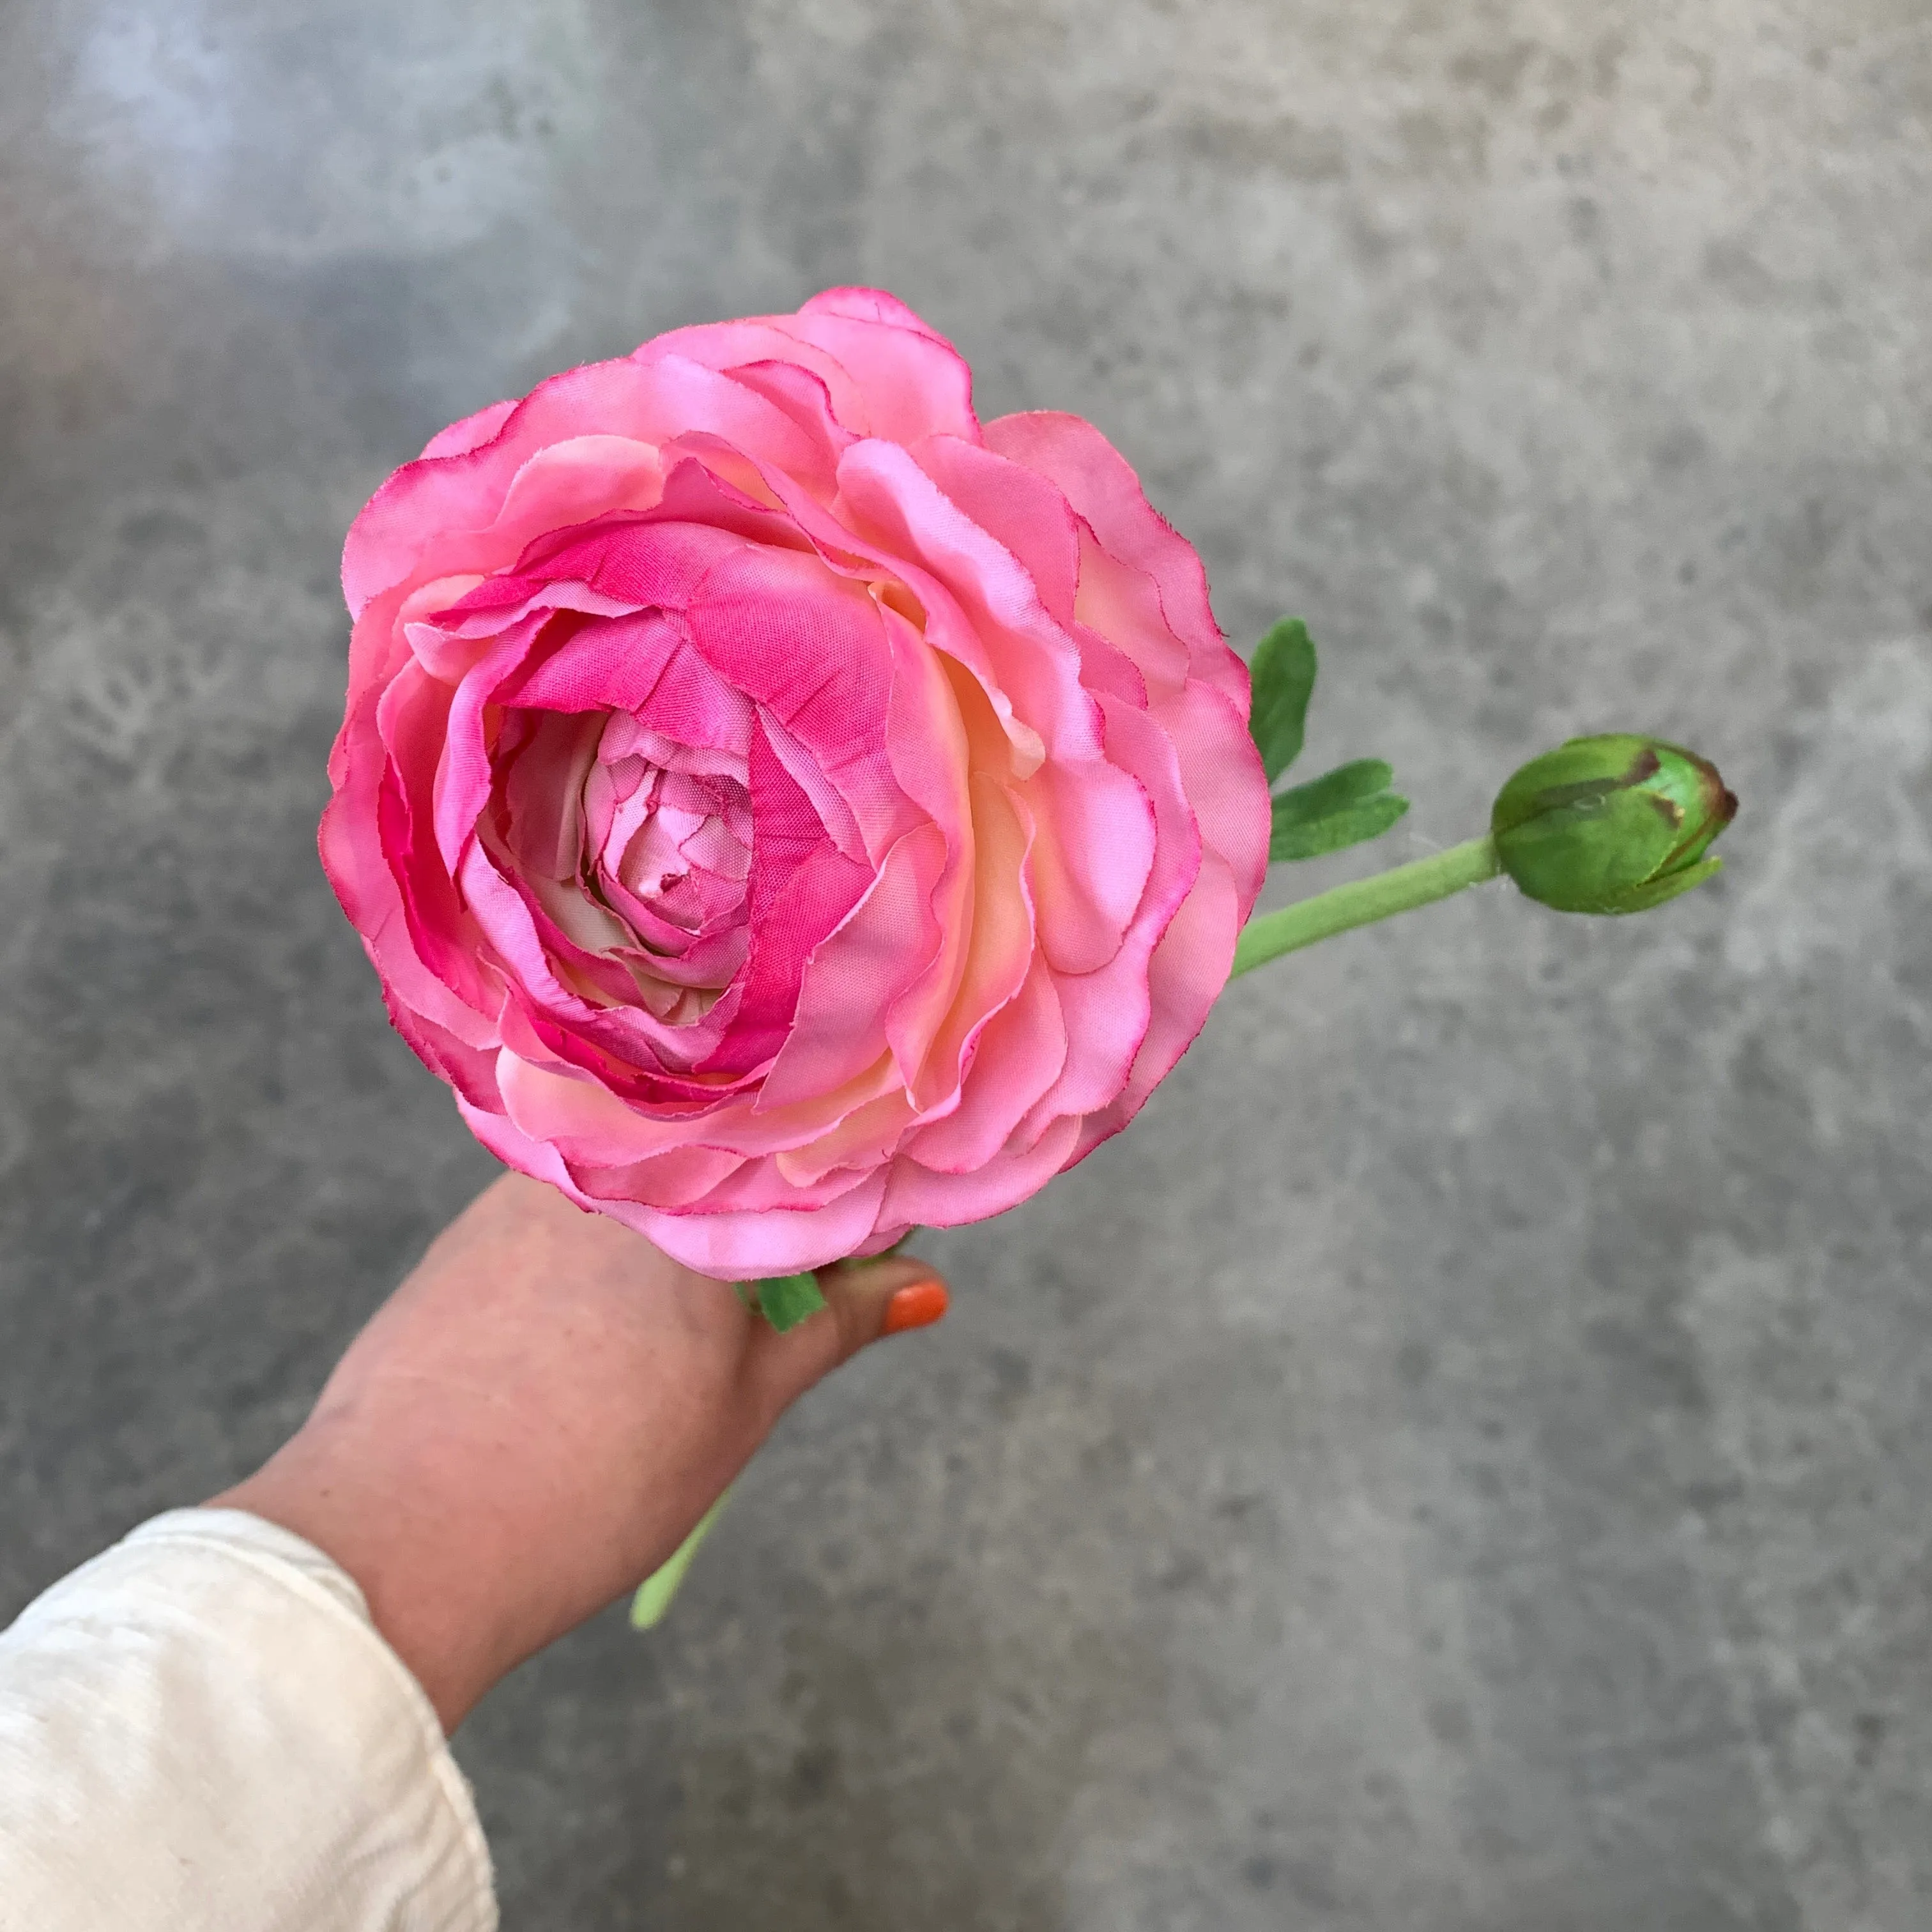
(672,1181)
(1186,976)
(1022,511)
(748,1246)
(1018,1058)
(527,1155)
(463,772)
(1108,1011)
(854,975)
(915,382)
(437,502)
(470,432)
(571,481)
(919,1197)
(1224,784)
(997,939)
(804,396)
(862,304)
(1095,849)
(1005,634)
(861,1141)
(1123,605)
(727,346)
(1101,485)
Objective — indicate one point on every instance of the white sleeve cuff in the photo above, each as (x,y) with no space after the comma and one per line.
(202,1727)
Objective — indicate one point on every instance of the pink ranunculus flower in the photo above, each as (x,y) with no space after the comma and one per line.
(786,809)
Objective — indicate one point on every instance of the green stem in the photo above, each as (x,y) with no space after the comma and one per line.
(653,1598)
(1270,934)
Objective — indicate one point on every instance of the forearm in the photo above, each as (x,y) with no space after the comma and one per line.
(472,1552)
(536,1420)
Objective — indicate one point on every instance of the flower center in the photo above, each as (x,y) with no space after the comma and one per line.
(633,853)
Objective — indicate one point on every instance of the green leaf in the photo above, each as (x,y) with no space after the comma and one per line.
(1281,674)
(1342,808)
(1346,784)
(786,1299)
(1355,826)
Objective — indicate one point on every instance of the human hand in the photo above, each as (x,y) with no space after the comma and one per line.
(537,1418)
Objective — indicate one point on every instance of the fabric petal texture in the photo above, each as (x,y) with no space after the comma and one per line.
(784,809)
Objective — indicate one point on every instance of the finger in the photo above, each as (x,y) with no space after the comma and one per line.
(864,1301)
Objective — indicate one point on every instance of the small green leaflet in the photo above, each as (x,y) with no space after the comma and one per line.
(1282,677)
(786,1299)
(1341,809)
(1350,804)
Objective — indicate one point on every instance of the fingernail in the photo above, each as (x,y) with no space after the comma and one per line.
(919,1306)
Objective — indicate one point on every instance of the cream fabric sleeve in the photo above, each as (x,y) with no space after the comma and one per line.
(202,1728)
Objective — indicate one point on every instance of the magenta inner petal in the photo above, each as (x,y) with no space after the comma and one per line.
(659,854)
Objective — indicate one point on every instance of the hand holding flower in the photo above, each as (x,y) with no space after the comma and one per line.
(536,1418)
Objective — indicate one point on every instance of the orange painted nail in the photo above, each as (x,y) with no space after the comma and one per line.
(919,1306)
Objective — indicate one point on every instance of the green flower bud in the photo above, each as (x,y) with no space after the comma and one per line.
(1613,824)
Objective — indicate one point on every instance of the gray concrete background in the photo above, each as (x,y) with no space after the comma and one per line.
(1464,1460)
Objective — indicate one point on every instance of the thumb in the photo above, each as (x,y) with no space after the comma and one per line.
(864,1301)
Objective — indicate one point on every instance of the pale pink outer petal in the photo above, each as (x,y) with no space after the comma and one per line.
(1019,1058)
(471,432)
(885,371)
(756,342)
(516,1149)
(1225,785)
(864,1138)
(743,1246)
(1107,1012)
(731,1247)
(1023,512)
(916,383)
(1189,969)
(594,1128)
(919,1197)
(1101,485)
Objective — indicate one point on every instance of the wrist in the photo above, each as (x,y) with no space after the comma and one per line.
(435,1591)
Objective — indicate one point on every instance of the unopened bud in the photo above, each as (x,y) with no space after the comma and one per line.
(1613,824)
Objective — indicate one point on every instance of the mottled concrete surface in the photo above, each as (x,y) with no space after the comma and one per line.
(1464,1460)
